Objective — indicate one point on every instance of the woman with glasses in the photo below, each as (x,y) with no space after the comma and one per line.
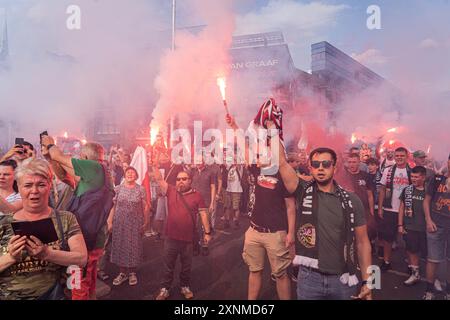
(129,219)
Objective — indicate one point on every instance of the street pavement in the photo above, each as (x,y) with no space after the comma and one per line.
(223,275)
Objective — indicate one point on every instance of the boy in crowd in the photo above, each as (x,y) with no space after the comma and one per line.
(411,222)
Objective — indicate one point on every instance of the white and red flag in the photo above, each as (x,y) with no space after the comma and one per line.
(140,163)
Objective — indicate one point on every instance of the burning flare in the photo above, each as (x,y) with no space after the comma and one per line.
(392,130)
(66,135)
(391,142)
(221,82)
(353,138)
(154,130)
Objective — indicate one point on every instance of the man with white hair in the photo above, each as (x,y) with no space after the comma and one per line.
(91,203)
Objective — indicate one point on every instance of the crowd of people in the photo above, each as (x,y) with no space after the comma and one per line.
(322,219)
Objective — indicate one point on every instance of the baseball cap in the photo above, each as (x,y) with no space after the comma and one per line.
(419,154)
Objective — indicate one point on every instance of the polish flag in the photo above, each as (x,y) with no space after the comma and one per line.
(140,163)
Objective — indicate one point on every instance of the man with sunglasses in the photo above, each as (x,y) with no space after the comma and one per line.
(330,232)
(183,205)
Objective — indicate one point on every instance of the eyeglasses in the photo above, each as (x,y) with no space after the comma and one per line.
(325,164)
(182,179)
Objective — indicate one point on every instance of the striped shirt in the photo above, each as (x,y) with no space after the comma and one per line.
(13,197)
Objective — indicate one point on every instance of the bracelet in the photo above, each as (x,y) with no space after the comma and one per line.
(207,233)
(49,146)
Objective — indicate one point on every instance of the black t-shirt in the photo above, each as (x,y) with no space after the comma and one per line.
(359,183)
(267,207)
(303,169)
(440,195)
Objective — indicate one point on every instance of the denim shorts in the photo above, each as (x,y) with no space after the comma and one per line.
(439,241)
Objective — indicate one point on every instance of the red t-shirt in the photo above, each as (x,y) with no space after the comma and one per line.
(179,224)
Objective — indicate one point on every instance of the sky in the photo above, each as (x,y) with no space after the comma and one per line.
(56,71)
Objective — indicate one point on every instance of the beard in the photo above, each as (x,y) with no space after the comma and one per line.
(324,182)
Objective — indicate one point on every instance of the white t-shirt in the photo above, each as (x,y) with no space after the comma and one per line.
(234,183)
(400,182)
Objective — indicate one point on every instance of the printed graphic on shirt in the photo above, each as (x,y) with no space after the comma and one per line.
(307,235)
(267,182)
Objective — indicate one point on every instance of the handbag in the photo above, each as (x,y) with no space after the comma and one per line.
(195,236)
(56,292)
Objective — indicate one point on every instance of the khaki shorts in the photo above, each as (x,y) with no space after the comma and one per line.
(257,244)
(232,200)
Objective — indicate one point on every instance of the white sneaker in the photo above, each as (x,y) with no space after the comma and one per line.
(428,296)
(437,285)
(187,293)
(163,294)
(413,279)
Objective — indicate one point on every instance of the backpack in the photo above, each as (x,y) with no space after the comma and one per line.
(92,209)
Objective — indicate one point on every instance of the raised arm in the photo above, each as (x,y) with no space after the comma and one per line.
(290,178)
(159,179)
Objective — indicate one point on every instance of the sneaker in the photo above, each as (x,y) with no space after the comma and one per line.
(428,296)
(121,278)
(150,234)
(187,293)
(205,251)
(413,278)
(385,266)
(437,285)
(132,281)
(102,275)
(163,294)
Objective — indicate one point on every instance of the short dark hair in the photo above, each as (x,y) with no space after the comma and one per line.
(419,169)
(353,148)
(132,168)
(13,164)
(323,150)
(402,149)
(9,163)
(26,143)
(187,172)
(372,161)
(353,155)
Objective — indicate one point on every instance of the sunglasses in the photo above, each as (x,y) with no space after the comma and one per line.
(325,164)
(182,179)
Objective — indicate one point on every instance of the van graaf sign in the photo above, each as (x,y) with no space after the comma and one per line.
(253,64)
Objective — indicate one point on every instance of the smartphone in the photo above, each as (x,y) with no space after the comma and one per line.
(19,141)
(45,133)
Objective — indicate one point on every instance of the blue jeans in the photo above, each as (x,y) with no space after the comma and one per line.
(312,285)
